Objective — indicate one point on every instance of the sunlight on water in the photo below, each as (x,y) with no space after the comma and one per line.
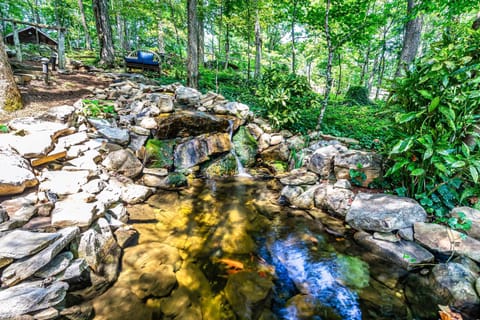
(316,278)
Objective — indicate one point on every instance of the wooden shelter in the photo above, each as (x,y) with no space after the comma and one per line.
(32,34)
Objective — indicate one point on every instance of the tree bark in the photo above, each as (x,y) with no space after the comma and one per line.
(104,31)
(10,98)
(192,59)
(201,35)
(411,38)
(88,39)
(16,41)
(328,72)
(258,47)
(292,32)
(227,46)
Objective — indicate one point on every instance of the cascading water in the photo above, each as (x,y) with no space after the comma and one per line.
(241,170)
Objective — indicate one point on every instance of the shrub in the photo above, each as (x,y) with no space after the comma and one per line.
(357,96)
(431,159)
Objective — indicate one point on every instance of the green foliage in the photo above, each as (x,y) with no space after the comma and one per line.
(436,157)
(296,158)
(370,125)
(4,128)
(285,98)
(97,109)
(357,176)
(159,153)
(357,96)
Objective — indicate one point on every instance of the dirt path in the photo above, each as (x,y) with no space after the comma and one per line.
(62,89)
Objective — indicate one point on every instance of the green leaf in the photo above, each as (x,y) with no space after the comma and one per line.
(474,174)
(434,104)
(428,153)
(425,94)
(458,164)
(418,172)
(402,118)
(402,146)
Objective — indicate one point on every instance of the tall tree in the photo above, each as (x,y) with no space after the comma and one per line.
(10,98)
(411,38)
(258,46)
(83,20)
(192,57)
(104,31)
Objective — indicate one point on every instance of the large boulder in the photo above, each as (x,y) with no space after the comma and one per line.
(298,177)
(384,213)
(199,149)
(449,284)
(334,198)
(16,173)
(187,96)
(321,161)
(159,153)
(245,146)
(19,243)
(124,162)
(445,241)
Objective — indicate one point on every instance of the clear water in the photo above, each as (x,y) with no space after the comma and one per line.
(232,226)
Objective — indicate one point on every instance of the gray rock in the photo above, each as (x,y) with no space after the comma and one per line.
(446,241)
(140,130)
(472,215)
(3,215)
(29,297)
(148,123)
(72,139)
(24,268)
(73,211)
(449,284)
(368,163)
(199,149)
(321,161)
(132,193)
(334,200)
(94,186)
(115,135)
(406,233)
(62,114)
(100,250)
(384,213)
(57,265)
(19,243)
(16,173)
(74,270)
(119,212)
(254,130)
(403,253)
(187,96)
(306,199)
(32,124)
(137,142)
(46,314)
(88,161)
(291,192)
(164,102)
(123,162)
(298,177)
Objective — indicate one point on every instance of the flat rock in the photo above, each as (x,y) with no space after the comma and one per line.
(115,135)
(384,213)
(19,243)
(72,139)
(31,145)
(298,177)
(24,268)
(406,254)
(446,241)
(57,265)
(62,114)
(63,182)
(29,297)
(73,211)
(335,200)
(16,174)
(32,124)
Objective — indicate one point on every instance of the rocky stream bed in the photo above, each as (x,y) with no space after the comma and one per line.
(84,197)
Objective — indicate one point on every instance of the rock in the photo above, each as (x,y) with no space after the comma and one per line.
(115,135)
(46,314)
(384,213)
(335,200)
(246,292)
(125,235)
(406,233)
(62,114)
(383,302)
(279,152)
(446,241)
(449,284)
(149,123)
(298,177)
(16,173)
(73,211)
(187,96)
(141,131)
(290,193)
(57,265)
(245,146)
(72,139)
(36,125)
(88,161)
(24,268)
(123,162)
(29,297)
(199,149)
(94,186)
(63,182)
(188,124)
(3,215)
(31,145)
(306,199)
(254,130)
(164,102)
(120,303)
(403,253)
(74,271)
(100,250)
(19,243)
(134,193)
(137,142)
(368,163)
(472,215)
(39,224)
(321,162)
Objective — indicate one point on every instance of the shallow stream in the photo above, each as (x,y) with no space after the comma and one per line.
(240,255)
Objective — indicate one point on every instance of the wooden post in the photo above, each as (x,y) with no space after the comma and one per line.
(16,41)
(61,48)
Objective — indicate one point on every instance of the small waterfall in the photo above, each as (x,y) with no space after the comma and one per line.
(241,170)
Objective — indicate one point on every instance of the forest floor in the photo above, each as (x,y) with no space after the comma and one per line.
(62,89)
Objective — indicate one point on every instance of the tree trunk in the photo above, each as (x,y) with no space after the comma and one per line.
(339,81)
(10,98)
(365,65)
(227,46)
(192,59)
(328,72)
(16,41)
(201,35)
(104,31)
(88,39)
(258,47)
(292,32)
(411,38)
(61,48)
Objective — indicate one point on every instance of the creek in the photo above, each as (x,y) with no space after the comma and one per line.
(238,254)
